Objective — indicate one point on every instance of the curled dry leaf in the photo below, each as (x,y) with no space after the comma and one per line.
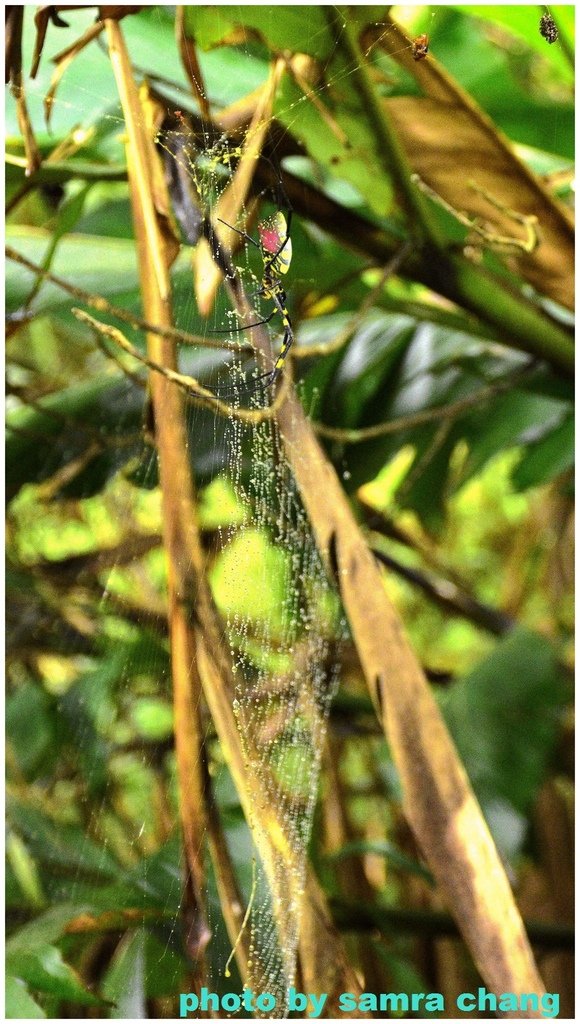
(444,132)
(440,138)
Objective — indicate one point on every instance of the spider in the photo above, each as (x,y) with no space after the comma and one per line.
(275,247)
(420,47)
(548,28)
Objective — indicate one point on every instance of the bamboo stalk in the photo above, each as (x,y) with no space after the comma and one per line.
(178,500)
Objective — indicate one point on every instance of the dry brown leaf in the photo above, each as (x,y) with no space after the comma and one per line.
(450,141)
(450,151)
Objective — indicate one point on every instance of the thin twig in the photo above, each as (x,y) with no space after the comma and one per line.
(189,385)
(103,306)
(444,412)
(529,221)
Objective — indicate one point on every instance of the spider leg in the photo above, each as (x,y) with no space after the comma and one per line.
(265,380)
(247,327)
(243,234)
(272,375)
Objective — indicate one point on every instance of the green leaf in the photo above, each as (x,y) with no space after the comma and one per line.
(382,849)
(31,725)
(506,422)
(523,22)
(44,969)
(167,966)
(348,151)
(23,872)
(368,365)
(46,439)
(283,27)
(153,718)
(504,717)
(44,930)
(102,265)
(124,982)
(59,845)
(18,1003)
(548,458)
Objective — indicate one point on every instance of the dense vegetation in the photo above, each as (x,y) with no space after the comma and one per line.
(430,299)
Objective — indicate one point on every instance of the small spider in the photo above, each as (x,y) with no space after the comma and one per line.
(420,47)
(548,28)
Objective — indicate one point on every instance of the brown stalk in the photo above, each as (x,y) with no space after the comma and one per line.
(177,494)
(14,20)
(191,66)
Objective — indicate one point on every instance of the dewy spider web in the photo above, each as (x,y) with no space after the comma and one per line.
(285,669)
(285,666)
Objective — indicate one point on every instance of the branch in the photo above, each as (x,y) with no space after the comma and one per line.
(352,435)
(436,924)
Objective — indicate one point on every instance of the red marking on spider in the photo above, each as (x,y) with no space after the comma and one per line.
(269,237)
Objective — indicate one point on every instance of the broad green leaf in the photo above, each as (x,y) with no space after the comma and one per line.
(505,422)
(284,27)
(523,22)
(504,717)
(59,845)
(368,364)
(44,969)
(167,964)
(547,458)
(103,266)
(340,139)
(44,930)
(31,724)
(18,1003)
(124,982)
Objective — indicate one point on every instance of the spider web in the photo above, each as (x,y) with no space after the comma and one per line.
(284,653)
(285,632)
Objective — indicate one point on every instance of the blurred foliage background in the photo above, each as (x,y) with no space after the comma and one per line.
(471,511)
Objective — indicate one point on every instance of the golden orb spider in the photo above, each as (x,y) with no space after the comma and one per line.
(275,247)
